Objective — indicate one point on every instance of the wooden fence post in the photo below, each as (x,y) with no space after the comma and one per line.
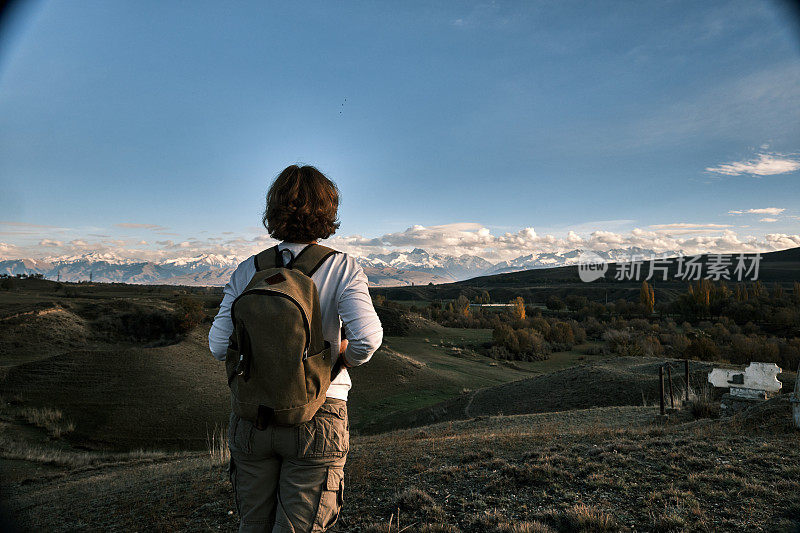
(686,373)
(671,395)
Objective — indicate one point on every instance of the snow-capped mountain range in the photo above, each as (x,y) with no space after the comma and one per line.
(396,268)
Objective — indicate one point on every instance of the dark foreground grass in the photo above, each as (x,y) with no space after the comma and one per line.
(702,476)
(605,469)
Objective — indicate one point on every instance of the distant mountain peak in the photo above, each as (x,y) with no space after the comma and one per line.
(398,267)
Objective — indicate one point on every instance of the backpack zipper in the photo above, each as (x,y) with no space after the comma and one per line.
(290,298)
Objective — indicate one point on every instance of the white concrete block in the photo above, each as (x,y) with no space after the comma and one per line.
(757,376)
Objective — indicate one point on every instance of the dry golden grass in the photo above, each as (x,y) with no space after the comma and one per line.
(49,419)
(702,403)
(68,458)
(217,444)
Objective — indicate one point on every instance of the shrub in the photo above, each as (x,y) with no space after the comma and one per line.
(744,349)
(703,349)
(561,333)
(139,323)
(521,344)
(618,340)
(593,327)
(702,404)
(541,325)
(191,312)
(650,346)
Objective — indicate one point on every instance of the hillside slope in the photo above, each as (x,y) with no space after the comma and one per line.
(601,469)
(153,398)
(614,381)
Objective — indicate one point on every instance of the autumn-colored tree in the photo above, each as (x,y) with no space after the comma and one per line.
(518,308)
(777,291)
(758,289)
(701,293)
(462,305)
(647,297)
(724,291)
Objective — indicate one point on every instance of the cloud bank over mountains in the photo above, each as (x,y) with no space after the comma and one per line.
(474,239)
(457,239)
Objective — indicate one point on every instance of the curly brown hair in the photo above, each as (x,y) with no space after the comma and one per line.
(301,205)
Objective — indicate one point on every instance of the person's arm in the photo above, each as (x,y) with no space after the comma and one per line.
(362,326)
(222,328)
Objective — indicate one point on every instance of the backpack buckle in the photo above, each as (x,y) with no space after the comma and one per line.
(242,368)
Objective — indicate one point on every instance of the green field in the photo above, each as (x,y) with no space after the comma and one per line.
(434,367)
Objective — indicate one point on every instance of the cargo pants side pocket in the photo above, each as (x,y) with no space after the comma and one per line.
(331,499)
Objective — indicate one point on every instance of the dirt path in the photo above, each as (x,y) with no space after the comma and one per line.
(469,403)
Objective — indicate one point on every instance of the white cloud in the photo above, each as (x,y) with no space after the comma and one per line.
(775,211)
(171,245)
(451,239)
(473,239)
(688,225)
(130,225)
(767,219)
(24,224)
(8,250)
(763,164)
(685,228)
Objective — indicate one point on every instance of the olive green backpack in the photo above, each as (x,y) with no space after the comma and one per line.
(278,364)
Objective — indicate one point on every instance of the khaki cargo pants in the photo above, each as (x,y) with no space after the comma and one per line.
(290,479)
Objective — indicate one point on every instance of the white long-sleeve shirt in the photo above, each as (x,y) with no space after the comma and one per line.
(343,298)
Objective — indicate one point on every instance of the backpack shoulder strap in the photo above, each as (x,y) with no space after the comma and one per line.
(311,258)
(266,259)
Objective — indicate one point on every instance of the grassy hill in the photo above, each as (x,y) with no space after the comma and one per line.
(600,469)
(153,398)
(64,365)
(614,381)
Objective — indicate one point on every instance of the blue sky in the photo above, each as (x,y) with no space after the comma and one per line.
(153,129)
